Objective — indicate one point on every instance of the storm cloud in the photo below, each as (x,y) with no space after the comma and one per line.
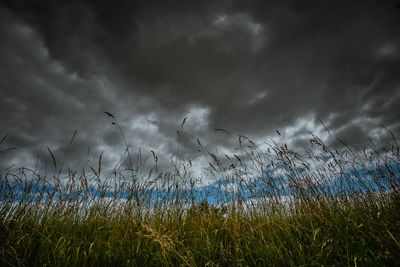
(249,67)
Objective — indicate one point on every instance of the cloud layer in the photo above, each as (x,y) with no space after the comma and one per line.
(250,67)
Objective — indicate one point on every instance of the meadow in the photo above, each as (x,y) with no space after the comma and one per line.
(277,206)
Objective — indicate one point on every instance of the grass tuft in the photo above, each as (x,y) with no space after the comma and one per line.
(272,206)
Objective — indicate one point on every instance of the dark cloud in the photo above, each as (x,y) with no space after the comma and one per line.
(247,66)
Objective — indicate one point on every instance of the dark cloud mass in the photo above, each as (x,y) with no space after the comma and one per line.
(246,66)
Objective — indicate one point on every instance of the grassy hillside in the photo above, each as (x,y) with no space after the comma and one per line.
(273,207)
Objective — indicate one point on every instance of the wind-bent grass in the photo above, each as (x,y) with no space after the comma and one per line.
(326,207)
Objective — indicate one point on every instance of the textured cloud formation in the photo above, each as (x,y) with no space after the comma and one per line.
(246,66)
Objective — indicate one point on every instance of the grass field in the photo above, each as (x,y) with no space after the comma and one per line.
(274,207)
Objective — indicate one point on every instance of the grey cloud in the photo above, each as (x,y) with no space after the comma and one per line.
(253,66)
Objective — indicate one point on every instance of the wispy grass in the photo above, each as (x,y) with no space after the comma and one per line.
(273,206)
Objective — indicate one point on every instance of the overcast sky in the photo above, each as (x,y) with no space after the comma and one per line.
(249,67)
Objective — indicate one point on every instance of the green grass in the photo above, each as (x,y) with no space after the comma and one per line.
(316,233)
(352,223)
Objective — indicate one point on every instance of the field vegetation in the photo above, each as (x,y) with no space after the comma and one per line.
(273,206)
